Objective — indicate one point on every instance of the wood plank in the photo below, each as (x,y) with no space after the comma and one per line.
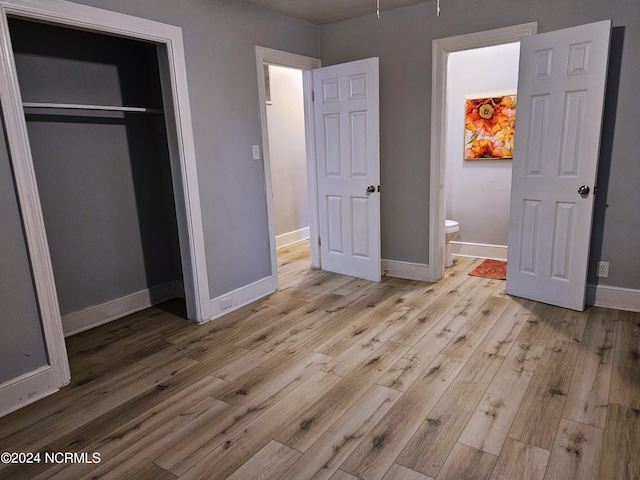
(152,444)
(379,449)
(118,437)
(503,334)
(399,472)
(521,461)
(570,325)
(466,463)
(276,377)
(305,429)
(458,301)
(540,325)
(220,434)
(489,424)
(588,396)
(269,462)
(625,386)
(369,340)
(364,315)
(576,451)
(322,459)
(435,438)
(537,421)
(476,328)
(76,411)
(412,365)
(239,446)
(621,446)
(288,319)
(341,475)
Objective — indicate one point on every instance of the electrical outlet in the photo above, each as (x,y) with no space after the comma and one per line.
(603,270)
(255,151)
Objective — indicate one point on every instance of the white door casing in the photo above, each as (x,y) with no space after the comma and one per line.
(560,101)
(348,167)
(440,54)
(306,64)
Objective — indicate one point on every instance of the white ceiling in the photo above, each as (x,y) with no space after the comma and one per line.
(322,12)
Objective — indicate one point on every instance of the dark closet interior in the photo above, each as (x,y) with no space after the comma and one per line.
(93,108)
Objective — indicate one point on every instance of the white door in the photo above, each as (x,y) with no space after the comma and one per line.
(348,167)
(560,100)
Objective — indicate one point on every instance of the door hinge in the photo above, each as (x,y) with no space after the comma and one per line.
(313,95)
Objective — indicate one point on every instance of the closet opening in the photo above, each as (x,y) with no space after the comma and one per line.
(95,120)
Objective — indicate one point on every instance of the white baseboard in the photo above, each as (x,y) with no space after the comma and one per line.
(87,318)
(407,270)
(292,237)
(26,389)
(613,297)
(240,297)
(479,250)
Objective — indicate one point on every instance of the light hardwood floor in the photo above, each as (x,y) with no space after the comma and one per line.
(337,378)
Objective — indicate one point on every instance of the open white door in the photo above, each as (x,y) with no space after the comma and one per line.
(348,167)
(560,101)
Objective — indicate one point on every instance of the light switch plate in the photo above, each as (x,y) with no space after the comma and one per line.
(256,151)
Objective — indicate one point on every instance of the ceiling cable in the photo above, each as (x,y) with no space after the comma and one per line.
(378,9)
(438,8)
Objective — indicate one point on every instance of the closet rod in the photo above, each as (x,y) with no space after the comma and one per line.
(75,106)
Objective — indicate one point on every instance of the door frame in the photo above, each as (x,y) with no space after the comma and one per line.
(441,49)
(270,56)
(168,38)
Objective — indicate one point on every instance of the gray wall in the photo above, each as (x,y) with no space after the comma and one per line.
(103,178)
(21,341)
(403,39)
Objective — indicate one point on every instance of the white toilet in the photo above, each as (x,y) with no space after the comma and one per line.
(451,229)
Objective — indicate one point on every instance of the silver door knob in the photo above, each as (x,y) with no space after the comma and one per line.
(371,189)
(584,190)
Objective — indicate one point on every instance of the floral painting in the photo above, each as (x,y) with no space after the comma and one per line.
(489,127)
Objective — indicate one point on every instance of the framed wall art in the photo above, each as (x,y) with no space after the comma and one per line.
(489,128)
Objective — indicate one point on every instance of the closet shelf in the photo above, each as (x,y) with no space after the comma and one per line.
(107,108)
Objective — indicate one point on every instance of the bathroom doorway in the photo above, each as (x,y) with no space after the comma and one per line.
(477,191)
(442,50)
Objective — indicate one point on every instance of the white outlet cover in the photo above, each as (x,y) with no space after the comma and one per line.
(256,151)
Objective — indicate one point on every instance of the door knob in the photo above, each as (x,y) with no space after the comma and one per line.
(584,190)
(371,189)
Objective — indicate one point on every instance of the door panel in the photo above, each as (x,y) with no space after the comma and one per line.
(560,99)
(348,163)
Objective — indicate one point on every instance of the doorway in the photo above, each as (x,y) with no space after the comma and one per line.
(268,57)
(441,51)
(287,154)
(477,191)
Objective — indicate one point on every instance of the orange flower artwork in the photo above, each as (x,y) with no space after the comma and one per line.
(489,127)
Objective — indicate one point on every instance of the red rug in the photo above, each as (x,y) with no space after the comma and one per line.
(496,269)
